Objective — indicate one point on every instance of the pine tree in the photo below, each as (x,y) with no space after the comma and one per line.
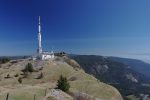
(63,84)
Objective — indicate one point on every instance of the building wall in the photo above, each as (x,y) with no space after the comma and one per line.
(45,56)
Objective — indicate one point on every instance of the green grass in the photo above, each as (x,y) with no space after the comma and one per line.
(51,98)
(132,97)
(27,94)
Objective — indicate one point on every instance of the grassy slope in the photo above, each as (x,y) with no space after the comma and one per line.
(132,97)
(84,83)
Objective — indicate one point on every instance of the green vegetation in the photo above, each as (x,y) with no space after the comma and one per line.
(40,76)
(4,60)
(28,68)
(16,75)
(63,84)
(51,98)
(20,80)
(126,98)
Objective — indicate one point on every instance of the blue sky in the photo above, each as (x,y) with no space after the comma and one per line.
(103,27)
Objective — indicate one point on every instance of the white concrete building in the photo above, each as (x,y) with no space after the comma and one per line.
(46,55)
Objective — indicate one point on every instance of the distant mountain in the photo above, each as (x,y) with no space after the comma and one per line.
(137,65)
(116,73)
(15,57)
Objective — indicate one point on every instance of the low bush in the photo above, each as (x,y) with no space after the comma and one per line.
(40,76)
(16,75)
(8,76)
(20,80)
(28,68)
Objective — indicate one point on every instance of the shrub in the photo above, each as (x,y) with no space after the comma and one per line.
(51,98)
(16,75)
(63,84)
(20,80)
(40,76)
(25,75)
(41,68)
(8,76)
(28,68)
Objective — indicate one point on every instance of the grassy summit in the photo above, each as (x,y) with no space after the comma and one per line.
(31,86)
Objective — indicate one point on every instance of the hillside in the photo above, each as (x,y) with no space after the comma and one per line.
(137,65)
(31,87)
(118,74)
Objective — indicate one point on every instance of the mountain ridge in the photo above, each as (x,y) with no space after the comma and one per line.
(137,65)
